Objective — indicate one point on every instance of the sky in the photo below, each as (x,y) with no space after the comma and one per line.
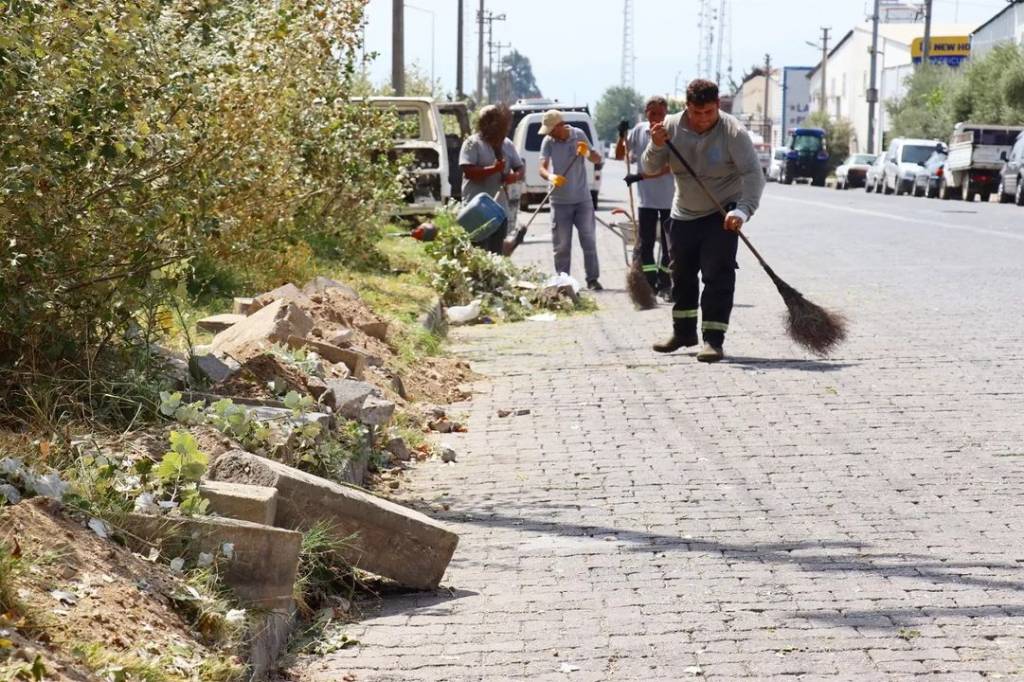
(575,46)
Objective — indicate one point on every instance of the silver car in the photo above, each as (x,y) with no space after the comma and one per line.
(852,172)
(873,177)
(777,163)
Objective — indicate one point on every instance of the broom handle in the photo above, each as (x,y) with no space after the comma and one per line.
(721,209)
(548,196)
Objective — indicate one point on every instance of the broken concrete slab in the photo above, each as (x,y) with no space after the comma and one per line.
(268,636)
(283,414)
(244,306)
(384,538)
(327,351)
(273,324)
(264,558)
(287,292)
(218,323)
(378,330)
(319,285)
(216,369)
(340,337)
(350,396)
(254,503)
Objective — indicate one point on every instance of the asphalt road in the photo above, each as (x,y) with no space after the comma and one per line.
(775,515)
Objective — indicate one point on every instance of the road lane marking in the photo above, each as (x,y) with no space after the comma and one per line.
(890,216)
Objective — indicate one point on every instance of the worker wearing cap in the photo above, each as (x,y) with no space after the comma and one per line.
(562,155)
(703,243)
(655,197)
(489,164)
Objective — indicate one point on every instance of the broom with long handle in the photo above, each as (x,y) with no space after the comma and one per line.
(813,327)
(637,286)
(514,240)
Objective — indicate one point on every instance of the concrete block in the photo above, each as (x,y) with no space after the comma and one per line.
(218,323)
(387,539)
(265,559)
(254,503)
(273,324)
(350,395)
(340,337)
(399,448)
(327,351)
(268,636)
(378,330)
(244,306)
(376,411)
(216,369)
(319,285)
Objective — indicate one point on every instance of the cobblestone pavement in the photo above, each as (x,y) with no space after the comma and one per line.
(773,516)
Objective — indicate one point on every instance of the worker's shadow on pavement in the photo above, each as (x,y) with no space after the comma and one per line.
(792,364)
(840,557)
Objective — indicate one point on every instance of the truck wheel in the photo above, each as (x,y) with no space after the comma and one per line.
(868,187)
(885,187)
(1001,192)
(818,181)
(787,179)
(985,197)
(967,190)
(1019,196)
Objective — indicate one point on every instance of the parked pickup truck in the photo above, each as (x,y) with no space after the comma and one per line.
(432,135)
(975,159)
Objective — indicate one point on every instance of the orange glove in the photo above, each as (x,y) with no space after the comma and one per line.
(557,180)
(582,149)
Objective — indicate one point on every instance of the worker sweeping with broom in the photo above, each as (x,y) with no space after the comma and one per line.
(562,154)
(655,198)
(703,242)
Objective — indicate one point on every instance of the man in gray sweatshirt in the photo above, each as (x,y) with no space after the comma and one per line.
(702,242)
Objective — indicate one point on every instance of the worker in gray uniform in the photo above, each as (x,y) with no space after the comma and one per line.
(655,193)
(702,243)
(563,153)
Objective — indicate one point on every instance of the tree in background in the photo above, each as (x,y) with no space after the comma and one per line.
(926,110)
(839,134)
(517,80)
(991,90)
(618,103)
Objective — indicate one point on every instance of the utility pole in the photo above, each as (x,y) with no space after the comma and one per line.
(824,67)
(628,75)
(872,94)
(489,18)
(495,82)
(480,55)
(926,47)
(398,47)
(459,94)
(767,130)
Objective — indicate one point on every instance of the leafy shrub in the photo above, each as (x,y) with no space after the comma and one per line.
(141,138)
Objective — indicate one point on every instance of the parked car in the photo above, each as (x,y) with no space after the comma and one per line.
(928,179)
(764,151)
(807,157)
(975,159)
(853,170)
(527,139)
(873,176)
(421,135)
(1011,175)
(904,158)
(778,160)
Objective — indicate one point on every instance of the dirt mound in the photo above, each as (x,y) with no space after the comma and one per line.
(89,594)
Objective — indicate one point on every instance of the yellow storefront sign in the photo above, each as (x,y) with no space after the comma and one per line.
(943,46)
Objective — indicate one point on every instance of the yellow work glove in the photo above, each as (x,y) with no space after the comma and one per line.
(582,149)
(557,180)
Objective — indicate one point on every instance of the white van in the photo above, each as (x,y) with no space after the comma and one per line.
(527,139)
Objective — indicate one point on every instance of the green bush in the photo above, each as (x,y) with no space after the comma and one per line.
(139,139)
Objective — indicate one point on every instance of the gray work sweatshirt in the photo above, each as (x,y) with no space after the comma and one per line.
(723,157)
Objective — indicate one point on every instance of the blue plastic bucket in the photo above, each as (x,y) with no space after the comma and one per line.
(481,217)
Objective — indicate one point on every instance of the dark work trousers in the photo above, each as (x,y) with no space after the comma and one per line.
(702,246)
(657,273)
(493,243)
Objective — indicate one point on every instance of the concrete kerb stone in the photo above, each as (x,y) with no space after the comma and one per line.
(218,323)
(356,361)
(383,538)
(265,558)
(254,503)
(268,637)
(274,323)
(217,369)
(361,402)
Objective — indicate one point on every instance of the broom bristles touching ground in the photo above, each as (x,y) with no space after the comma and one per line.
(816,329)
(640,291)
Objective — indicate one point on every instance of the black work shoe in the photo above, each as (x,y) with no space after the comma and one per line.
(594,285)
(710,353)
(674,343)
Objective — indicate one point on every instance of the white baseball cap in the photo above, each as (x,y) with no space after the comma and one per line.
(552,118)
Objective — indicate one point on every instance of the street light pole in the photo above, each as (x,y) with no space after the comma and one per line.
(926,47)
(432,35)
(398,46)
(480,54)
(458,51)
(873,87)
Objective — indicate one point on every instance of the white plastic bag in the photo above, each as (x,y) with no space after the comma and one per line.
(561,280)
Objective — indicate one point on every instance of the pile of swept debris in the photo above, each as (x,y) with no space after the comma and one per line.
(248,483)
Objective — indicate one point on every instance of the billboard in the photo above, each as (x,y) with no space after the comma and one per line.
(948,50)
(796,98)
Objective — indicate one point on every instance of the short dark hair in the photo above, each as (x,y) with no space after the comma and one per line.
(655,99)
(701,91)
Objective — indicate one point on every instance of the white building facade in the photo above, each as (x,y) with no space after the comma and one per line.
(748,106)
(1005,27)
